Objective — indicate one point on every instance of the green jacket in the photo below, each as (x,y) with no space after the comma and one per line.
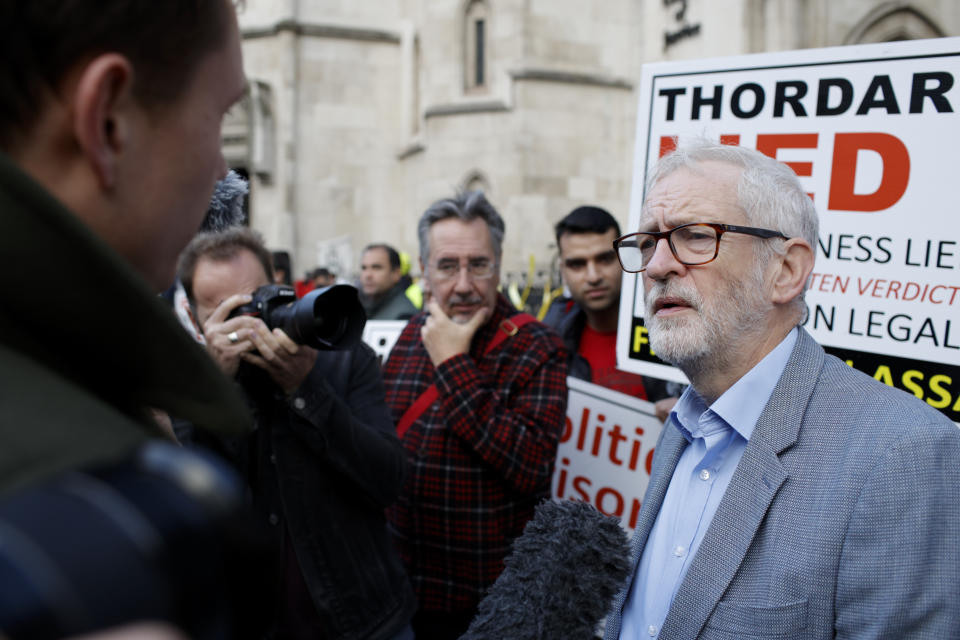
(86,347)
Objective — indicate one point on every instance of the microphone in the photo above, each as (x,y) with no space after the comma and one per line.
(560,578)
(226,204)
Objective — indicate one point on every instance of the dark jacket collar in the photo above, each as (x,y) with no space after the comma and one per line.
(71,302)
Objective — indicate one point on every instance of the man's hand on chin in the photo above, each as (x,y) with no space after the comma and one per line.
(443,338)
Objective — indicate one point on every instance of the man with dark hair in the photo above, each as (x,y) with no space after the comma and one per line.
(479,395)
(324,460)
(587,322)
(323,277)
(110,117)
(382,284)
(281,268)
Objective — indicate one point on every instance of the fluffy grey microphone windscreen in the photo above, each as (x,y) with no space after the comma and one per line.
(560,578)
(226,203)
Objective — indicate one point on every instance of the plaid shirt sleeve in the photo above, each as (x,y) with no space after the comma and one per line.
(513,423)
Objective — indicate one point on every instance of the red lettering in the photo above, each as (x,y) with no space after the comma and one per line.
(894,289)
(825,282)
(769,143)
(616,437)
(667,144)
(577,482)
(597,437)
(610,491)
(584,418)
(562,479)
(893,182)
(634,514)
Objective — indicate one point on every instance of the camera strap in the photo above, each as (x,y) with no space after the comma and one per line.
(509,327)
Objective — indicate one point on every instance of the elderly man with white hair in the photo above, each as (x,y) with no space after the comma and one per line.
(791,496)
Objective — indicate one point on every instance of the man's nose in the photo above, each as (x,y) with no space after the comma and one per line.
(463,281)
(663,262)
(593,274)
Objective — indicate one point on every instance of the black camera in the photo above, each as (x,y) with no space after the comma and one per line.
(162,535)
(326,319)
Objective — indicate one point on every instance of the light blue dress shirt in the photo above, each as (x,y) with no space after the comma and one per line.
(717,435)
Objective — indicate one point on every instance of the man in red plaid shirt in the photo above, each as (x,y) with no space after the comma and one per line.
(483,445)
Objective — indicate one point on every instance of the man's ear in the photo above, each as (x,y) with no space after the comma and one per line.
(794,269)
(102,98)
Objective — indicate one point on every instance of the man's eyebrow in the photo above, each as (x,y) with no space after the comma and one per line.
(646,224)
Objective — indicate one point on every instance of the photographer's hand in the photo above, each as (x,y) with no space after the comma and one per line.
(286,362)
(218,330)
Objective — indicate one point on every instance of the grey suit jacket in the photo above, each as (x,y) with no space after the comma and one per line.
(842,519)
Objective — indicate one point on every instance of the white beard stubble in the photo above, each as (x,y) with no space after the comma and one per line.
(709,341)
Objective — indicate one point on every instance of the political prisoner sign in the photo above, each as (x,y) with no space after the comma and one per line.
(606,450)
(872,132)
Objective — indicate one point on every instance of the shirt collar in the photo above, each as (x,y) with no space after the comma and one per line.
(740,406)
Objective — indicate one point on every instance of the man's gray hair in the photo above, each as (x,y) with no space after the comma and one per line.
(467,206)
(768,192)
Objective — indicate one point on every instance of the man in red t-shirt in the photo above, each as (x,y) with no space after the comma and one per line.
(588,321)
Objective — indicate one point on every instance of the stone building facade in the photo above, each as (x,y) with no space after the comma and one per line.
(363,112)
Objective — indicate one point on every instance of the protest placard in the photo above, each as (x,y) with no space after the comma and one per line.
(871,132)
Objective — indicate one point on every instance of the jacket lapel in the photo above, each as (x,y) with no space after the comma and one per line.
(754,484)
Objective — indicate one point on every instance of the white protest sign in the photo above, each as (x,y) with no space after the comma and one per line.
(872,132)
(605,450)
(381,335)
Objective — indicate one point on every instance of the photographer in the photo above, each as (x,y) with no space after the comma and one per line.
(323,461)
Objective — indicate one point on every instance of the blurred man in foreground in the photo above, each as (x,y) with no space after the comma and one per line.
(110,116)
(110,136)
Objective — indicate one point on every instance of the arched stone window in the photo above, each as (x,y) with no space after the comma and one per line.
(476,28)
(895,20)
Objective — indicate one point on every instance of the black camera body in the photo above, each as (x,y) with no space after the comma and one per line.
(327,319)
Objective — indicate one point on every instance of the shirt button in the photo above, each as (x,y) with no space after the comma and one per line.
(704,474)
(652,630)
(679,551)
(274,519)
(299,403)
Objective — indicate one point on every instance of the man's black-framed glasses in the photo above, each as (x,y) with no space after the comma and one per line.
(692,244)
